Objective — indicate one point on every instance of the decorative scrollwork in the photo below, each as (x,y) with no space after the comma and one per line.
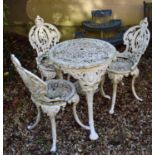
(43,36)
(88,79)
(82,53)
(136,40)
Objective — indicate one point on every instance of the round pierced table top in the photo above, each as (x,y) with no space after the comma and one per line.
(81,53)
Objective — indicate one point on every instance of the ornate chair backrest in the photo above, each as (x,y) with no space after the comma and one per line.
(43,36)
(136,40)
(35,85)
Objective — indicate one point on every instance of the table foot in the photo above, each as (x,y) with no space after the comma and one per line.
(93,135)
(111,111)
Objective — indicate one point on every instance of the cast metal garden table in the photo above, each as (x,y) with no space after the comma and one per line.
(86,60)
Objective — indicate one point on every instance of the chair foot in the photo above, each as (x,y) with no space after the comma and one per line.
(107,96)
(137,97)
(134,91)
(103,93)
(53,149)
(111,111)
(30,127)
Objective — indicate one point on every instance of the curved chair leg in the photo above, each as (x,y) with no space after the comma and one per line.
(54,135)
(51,112)
(135,74)
(37,119)
(77,118)
(111,111)
(102,90)
(75,100)
(116,78)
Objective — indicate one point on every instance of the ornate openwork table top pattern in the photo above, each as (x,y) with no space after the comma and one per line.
(81,53)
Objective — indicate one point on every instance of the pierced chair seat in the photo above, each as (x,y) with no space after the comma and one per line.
(121,65)
(62,89)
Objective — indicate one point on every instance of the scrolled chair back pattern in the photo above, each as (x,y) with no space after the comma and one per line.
(43,36)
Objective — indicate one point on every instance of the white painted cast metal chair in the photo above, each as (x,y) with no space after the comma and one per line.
(42,37)
(50,96)
(136,40)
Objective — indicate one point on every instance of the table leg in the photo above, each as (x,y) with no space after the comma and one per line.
(89,80)
(89,96)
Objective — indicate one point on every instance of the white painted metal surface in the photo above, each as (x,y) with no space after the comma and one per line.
(86,60)
(136,40)
(50,96)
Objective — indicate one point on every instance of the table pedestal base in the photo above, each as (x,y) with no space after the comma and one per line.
(89,80)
